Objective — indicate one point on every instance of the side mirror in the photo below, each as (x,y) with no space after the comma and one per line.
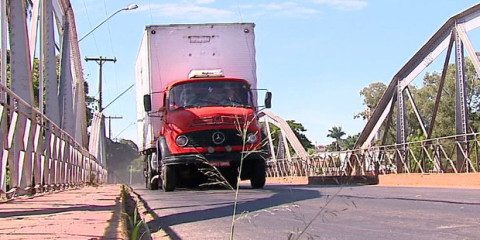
(147,103)
(268,100)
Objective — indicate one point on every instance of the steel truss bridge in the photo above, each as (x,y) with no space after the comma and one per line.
(45,142)
(46,146)
(458,153)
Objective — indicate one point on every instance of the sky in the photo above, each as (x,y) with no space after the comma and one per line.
(315,56)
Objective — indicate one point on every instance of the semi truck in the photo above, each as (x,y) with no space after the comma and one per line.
(196,92)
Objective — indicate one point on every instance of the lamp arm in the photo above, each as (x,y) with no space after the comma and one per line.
(102,23)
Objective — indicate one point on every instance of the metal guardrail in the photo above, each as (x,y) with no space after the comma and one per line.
(37,155)
(452,154)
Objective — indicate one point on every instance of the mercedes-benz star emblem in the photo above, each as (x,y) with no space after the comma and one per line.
(218,137)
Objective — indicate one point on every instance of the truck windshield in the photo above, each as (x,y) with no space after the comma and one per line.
(210,93)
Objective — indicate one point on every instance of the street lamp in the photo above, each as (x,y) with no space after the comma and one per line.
(129,7)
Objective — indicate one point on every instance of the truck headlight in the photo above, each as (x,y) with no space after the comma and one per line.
(251,138)
(182,141)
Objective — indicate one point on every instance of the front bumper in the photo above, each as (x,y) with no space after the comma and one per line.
(218,158)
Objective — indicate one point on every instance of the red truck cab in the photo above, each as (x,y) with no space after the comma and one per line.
(208,124)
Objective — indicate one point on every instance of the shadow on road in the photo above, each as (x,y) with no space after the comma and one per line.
(51,211)
(411,199)
(281,195)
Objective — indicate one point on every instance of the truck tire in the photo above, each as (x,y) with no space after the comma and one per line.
(150,184)
(231,175)
(145,170)
(258,177)
(169,178)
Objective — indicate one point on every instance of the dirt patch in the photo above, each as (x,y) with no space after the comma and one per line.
(463,180)
(343,180)
(132,215)
(282,180)
(287,180)
(145,214)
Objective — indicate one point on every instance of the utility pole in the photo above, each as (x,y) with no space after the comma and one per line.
(100,60)
(110,124)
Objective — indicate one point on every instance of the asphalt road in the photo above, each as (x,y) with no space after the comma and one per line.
(322,212)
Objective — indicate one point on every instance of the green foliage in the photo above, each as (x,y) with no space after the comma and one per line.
(349,142)
(298,129)
(415,149)
(121,155)
(372,95)
(8,178)
(310,151)
(341,144)
(137,164)
(336,133)
(90,101)
(135,224)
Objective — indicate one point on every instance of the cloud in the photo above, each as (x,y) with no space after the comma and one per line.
(204,1)
(204,10)
(346,5)
(288,9)
(189,11)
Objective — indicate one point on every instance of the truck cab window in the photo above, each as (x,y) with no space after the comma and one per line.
(210,93)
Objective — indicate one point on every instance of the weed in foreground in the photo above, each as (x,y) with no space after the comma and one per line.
(323,212)
(242,130)
(217,178)
(135,223)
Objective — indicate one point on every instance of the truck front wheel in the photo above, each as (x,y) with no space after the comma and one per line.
(169,178)
(258,177)
(231,175)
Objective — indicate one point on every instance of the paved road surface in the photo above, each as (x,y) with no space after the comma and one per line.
(351,212)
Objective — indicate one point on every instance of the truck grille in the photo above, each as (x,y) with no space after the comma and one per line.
(205,138)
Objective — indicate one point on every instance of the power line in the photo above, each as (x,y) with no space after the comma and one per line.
(124,129)
(119,96)
(111,45)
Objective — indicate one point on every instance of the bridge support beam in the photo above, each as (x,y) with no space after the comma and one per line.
(21,84)
(461,114)
(401,128)
(51,83)
(67,117)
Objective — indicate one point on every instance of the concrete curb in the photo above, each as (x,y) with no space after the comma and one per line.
(457,180)
(146,216)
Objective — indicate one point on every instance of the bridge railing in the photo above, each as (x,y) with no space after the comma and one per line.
(452,154)
(36,154)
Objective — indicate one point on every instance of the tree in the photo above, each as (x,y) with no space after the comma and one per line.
(90,104)
(372,95)
(89,100)
(349,142)
(120,156)
(336,133)
(298,129)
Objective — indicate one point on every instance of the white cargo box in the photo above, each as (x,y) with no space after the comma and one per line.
(168,53)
